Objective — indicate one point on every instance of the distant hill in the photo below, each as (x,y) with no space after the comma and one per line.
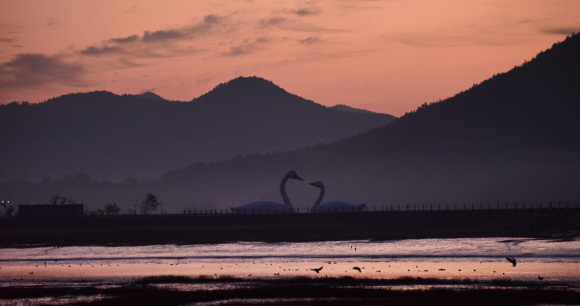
(112,137)
(514,137)
(149,95)
(346,108)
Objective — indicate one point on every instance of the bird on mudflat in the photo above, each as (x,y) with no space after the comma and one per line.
(357,268)
(317,270)
(512,260)
(540,278)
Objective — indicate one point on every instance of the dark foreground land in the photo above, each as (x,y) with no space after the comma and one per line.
(219,228)
(174,290)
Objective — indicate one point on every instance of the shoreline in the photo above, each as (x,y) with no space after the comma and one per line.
(552,235)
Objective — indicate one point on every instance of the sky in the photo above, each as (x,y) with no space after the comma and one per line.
(385,56)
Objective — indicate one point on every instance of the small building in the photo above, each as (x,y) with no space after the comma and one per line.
(51,210)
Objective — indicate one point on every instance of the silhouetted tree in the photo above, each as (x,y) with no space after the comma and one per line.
(97,212)
(112,209)
(8,212)
(56,198)
(150,204)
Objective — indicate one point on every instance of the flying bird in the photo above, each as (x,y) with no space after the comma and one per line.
(512,260)
(270,207)
(317,270)
(357,268)
(333,206)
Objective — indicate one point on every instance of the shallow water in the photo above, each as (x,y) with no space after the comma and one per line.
(481,258)
(416,250)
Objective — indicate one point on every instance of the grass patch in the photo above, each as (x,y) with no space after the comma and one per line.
(321,295)
(330,281)
(175,279)
(307,291)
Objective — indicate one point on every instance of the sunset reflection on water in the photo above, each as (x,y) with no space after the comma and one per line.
(482,258)
(379,270)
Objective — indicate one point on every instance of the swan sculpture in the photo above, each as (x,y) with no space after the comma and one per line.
(333,206)
(270,207)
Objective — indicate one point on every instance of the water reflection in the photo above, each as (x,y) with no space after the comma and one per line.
(478,249)
(482,258)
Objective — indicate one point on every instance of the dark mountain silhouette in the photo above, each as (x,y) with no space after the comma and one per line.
(150,95)
(346,108)
(113,137)
(514,137)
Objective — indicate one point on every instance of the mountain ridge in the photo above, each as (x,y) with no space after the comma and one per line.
(112,137)
(498,92)
(346,108)
(252,87)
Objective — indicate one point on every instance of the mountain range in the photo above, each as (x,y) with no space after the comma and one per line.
(112,137)
(515,137)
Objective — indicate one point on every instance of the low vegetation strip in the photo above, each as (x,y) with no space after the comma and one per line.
(304,291)
(336,281)
(187,229)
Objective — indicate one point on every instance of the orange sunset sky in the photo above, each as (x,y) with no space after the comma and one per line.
(386,56)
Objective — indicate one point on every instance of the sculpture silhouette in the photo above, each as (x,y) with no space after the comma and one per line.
(270,207)
(333,206)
